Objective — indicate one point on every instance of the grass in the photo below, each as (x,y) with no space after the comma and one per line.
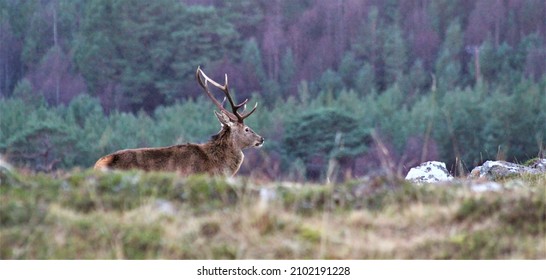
(134,215)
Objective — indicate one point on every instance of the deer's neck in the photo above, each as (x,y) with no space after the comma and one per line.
(225,153)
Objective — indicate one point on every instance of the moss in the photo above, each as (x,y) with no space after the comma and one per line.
(531,161)
(309,234)
(536,182)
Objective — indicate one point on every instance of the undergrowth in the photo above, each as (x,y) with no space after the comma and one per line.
(136,215)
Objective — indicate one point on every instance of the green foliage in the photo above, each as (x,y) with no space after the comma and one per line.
(394,54)
(309,234)
(365,79)
(490,60)
(463,118)
(191,121)
(252,58)
(483,126)
(322,134)
(448,66)
(388,113)
(417,79)
(288,70)
(504,125)
(348,67)
(330,82)
(165,41)
(23,91)
(203,192)
(14,117)
(36,136)
(87,123)
(472,125)
(138,55)
(477,208)
(137,59)
(142,241)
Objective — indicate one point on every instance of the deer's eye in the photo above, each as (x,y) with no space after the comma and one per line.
(247,129)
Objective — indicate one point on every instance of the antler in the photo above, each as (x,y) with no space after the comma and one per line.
(235,116)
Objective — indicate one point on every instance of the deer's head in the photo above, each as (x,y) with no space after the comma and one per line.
(232,122)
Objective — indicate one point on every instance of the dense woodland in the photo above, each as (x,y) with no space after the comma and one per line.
(353,86)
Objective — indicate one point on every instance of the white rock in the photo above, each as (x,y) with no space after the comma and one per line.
(4,164)
(429,172)
(486,186)
(493,170)
(165,207)
(267,194)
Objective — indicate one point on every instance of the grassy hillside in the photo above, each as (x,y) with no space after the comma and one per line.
(132,215)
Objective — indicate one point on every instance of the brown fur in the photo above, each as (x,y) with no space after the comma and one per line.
(222,155)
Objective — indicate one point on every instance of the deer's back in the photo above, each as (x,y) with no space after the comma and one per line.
(186,159)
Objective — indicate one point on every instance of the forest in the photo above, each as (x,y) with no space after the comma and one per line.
(373,86)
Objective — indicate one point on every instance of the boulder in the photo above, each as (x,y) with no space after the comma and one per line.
(539,164)
(429,172)
(494,170)
(4,165)
(6,175)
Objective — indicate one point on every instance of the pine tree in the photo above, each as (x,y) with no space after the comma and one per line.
(287,76)
(251,58)
(448,65)
(394,54)
(145,53)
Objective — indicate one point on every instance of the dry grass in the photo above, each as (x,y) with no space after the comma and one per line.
(85,215)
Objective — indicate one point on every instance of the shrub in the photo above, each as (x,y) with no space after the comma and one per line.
(325,133)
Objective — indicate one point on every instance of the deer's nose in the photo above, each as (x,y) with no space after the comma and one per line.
(260,142)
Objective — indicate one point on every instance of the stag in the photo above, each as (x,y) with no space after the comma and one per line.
(221,155)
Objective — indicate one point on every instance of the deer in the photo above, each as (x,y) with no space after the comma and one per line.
(222,155)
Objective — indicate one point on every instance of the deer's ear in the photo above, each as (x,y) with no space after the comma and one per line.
(224,119)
